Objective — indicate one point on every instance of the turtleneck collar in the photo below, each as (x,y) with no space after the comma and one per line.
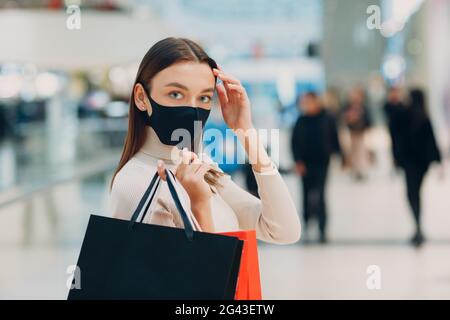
(156,149)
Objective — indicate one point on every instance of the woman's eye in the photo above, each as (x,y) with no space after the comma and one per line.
(205,99)
(176,95)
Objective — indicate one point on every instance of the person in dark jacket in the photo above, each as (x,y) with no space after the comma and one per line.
(314,139)
(395,109)
(418,149)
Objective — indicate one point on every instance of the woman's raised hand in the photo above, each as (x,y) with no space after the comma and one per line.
(234,102)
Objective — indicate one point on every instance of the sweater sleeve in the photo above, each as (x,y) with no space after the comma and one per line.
(274,216)
(127,190)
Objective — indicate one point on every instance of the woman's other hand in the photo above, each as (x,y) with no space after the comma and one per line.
(191,174)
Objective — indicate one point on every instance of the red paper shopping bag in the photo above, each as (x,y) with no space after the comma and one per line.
(249,283)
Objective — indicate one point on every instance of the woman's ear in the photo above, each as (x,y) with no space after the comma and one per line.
(141,100)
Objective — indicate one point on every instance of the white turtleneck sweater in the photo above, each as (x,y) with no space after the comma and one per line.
(274,216)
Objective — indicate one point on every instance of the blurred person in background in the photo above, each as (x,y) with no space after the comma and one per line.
(6,123)
(447,109)
(418,150)
(395,109)
(314,139)
(3,123)
(376,95)
(331,101)
(357,119)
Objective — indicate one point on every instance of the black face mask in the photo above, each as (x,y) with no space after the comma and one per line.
(165,120)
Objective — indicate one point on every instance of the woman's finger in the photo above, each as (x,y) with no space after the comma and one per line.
(237,88)
(234,94)
(228,89)
(233,86)
(186,158)
(182,165)
(194,157)
(202,169)
(218,72)
(193,168)
(221,93)
(189,173)
(161,170)
(228,78)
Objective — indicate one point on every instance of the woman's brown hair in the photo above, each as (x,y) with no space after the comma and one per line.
(161,55)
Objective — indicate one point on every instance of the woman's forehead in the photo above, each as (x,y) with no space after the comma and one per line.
(193,75)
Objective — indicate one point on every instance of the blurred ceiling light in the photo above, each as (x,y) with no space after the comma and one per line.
(116,109)
(98,99)
(47,84)
(117,74)
(390,28)
(122,78)
(398,12)
(10,85)
(403,9)
(393,67)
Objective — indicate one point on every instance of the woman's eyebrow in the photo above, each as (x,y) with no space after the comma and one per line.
(208,90)
(179,85)
(176,84)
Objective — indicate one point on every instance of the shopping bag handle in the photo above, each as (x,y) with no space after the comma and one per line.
(149,195)
(151,189)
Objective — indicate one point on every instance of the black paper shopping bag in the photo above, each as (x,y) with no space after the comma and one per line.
(122,259)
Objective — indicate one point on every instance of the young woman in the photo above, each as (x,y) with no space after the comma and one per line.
(174,88)
(418,149)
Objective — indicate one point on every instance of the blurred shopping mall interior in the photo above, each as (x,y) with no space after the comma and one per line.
(67,68)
